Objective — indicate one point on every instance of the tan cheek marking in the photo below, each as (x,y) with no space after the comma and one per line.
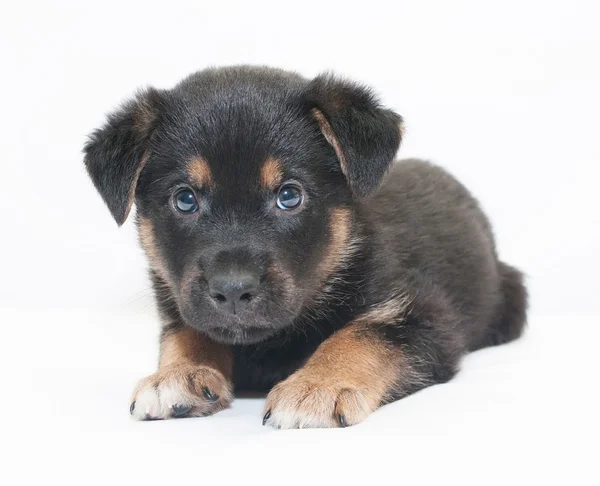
(188,346)
(271,174)
(199,173)
(148,242)
(337,251)
(331,138)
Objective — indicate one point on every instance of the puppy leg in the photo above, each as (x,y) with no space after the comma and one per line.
(359,368)
(193,378)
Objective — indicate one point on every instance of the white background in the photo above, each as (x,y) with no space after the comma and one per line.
(503,94)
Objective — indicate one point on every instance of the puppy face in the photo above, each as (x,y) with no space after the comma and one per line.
(240,222)
(245,182)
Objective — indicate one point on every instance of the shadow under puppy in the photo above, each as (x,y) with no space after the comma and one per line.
(282,257)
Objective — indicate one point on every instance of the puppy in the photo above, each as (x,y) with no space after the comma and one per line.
(284,260)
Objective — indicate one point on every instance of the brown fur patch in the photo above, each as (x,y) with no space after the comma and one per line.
(331,138)
(401,129)
(187,346)
(193,378)
(345,379)
(131,195)
(390,310)
(199,173)
(364,363)
(271,174)
(339,246)
(148,242)
(181,390)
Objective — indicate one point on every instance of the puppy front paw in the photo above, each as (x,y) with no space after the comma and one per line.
(181,391)
(309,401)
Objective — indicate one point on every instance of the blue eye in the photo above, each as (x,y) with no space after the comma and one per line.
(185,201)
(289,197)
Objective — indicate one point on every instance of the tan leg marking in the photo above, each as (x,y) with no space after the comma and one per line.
(186,345)
(193,378)
(341,384)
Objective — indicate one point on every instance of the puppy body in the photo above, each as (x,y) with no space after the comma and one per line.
(427,271)
(284,260)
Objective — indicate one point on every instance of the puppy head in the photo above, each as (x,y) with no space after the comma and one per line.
(245,182)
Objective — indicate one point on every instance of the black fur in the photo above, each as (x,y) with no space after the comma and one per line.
(420,239)
(115,153)
(369,135)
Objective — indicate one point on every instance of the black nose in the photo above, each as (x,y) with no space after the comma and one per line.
(233,292)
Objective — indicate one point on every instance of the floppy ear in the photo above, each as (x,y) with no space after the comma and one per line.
(364,135)
(116,153)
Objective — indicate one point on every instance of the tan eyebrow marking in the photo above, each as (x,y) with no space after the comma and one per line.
(199,172)
(271,174)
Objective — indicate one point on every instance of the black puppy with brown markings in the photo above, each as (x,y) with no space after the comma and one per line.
(284,260)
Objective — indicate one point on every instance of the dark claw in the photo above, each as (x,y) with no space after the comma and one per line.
(131,408)
(211,397)
(342,420)
(180,410)
(266,417)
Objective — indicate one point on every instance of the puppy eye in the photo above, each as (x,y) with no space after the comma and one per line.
(185,201)
(289,197)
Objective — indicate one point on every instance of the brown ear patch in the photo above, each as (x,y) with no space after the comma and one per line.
(148,242)
(329,135)
(144,117)
(271,174)
(131,195)
(199,172)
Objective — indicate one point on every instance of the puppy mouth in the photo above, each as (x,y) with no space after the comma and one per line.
(259,321)
(240,335)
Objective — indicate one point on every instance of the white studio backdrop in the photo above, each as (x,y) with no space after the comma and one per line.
(505,95)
